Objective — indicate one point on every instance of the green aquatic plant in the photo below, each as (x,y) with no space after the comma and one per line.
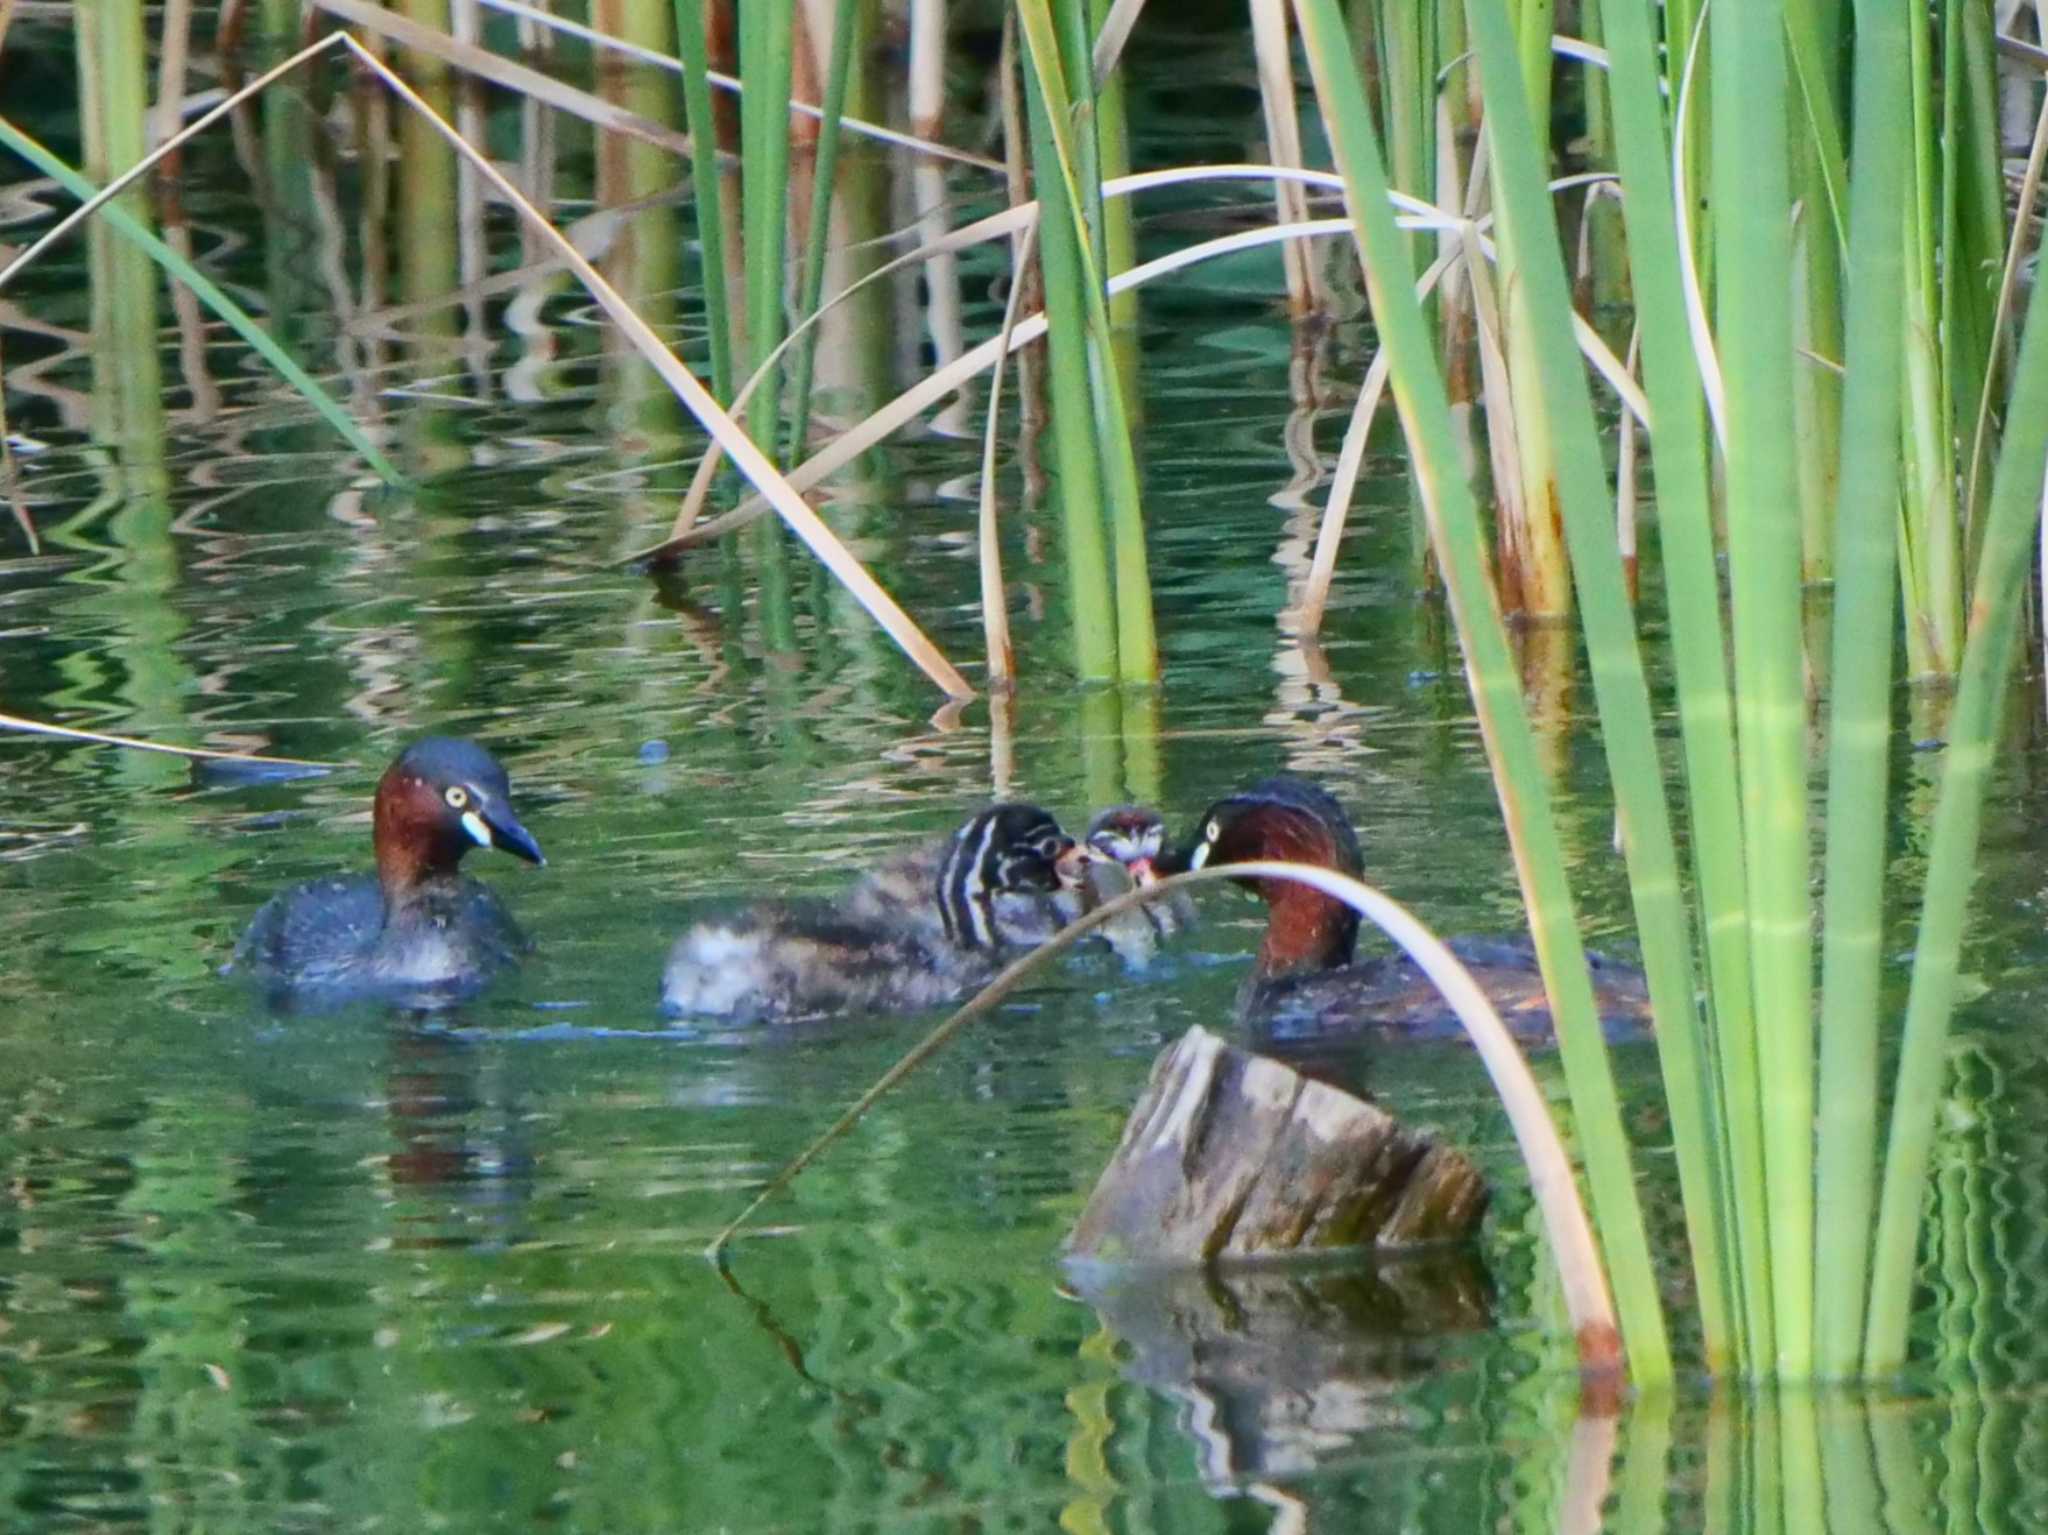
(1778,1216)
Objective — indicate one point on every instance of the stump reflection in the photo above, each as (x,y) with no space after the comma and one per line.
(1281,1369)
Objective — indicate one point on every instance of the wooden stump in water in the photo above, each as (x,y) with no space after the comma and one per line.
(1230,1154)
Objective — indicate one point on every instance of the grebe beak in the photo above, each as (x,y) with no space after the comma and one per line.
(496,826)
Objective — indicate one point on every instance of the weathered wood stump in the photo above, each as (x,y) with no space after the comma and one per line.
(1230,1154)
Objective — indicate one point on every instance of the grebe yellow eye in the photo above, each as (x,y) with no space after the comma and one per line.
(457,796)
(1213,830)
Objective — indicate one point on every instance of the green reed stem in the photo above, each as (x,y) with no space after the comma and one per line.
(1821,233)
(1521,193)
(1708,1138)
(1974,232)
(1535,21)
(1408,93)
(1090,595)
(1535,573)
(767,41)
(767,45)
(1754,244)
(210,295)
(1519,780)
(1073,40)
(1859,715)
(846,23)
(1137,650)
(1606,280)
(1987,661)
(111,51)
(1113,147)
(707,187)
(1930,550)
(1811,41)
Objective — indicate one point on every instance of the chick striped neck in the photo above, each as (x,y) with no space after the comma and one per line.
(1003,848)
(966,903)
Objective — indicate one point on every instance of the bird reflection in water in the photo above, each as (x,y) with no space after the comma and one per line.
(458,1133)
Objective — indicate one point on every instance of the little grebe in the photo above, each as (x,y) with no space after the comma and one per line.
(417,928)
(1124,844)
(1306,978)
(926,928)
(914,889)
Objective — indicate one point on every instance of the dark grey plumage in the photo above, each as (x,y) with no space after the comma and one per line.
(417,930)
(334,936)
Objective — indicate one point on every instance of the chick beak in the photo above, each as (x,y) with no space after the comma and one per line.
(1071,866)
(1142,872)
(501,830)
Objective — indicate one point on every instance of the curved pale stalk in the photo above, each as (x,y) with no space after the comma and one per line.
(804,522)
(1007,224)
(995,609)
(1551,1177)
(211,295)
(994,227)
(932,388)
(1561,45)
(1578,48)
(687,533)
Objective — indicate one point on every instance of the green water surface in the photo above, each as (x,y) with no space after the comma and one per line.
(365,1272)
